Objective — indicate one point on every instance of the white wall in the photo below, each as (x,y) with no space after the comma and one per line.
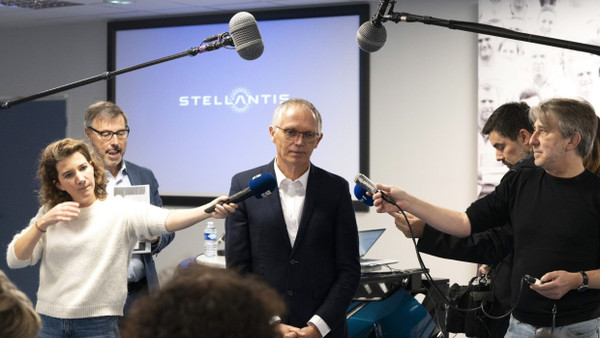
(423,121)
(423,112)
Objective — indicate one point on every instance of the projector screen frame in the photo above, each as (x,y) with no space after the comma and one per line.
(362,10)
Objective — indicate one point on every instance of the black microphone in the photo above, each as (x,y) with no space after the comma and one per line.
(244,36)
(259,186)
(371,35)
(371,187)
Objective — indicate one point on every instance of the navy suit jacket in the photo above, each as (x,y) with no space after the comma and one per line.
(139,176)
(321,272)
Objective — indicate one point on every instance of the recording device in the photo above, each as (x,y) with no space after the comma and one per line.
(259,186)
(532,280)
(361,195)
(466,315)
(371,35)
(481,283)
(244,36)
(371,187)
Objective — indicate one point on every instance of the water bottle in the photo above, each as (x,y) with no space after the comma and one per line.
(210,240)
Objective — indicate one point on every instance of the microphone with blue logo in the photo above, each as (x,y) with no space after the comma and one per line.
(367,185)
(259,186)
(361,195)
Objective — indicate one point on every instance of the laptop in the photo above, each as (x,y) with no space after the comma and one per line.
(366,240)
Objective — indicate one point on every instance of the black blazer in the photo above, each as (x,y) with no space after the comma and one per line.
(320,273)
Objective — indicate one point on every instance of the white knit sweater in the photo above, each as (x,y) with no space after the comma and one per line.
(84,262)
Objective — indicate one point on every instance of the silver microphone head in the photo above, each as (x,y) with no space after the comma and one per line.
(246,37)
(366,183)
(370,37)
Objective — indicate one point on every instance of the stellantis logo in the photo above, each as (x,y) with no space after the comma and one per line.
(240,100)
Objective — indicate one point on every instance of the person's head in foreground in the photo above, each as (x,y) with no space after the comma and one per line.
(206,302)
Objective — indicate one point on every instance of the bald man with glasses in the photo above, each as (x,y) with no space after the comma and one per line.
(303,240)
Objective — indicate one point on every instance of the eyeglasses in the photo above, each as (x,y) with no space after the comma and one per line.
(107,135)
(292,134)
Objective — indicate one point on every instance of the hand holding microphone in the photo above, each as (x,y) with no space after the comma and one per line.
(259,186)
(379,194)
(220,207)
(371,187)
(390,194)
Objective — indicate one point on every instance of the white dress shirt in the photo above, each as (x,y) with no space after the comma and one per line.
(292,195)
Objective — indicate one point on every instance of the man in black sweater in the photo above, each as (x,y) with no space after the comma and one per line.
(554,214)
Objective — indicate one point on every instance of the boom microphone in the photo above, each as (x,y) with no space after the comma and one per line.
(371,187)
(244,36)
(371,35)
(259,186)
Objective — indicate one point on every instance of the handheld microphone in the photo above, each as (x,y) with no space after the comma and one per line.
(366,183)
(361,195)
(244,36)
(371,35)
(259,186)
(371,187)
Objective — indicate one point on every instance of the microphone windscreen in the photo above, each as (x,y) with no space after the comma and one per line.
(361,195)
(370,37)
(246,37)
(262,185)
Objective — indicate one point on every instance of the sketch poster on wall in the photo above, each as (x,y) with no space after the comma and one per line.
(511,70)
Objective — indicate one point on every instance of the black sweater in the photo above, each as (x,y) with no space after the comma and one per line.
(556,226)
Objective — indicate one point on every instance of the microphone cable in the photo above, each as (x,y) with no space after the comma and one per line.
(433,285)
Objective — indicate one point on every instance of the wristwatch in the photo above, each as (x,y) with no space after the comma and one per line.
(584,284)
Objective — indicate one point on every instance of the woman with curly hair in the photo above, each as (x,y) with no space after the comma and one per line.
(84,241)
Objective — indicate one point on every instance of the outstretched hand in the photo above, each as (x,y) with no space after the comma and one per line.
(222,209)
(393,192)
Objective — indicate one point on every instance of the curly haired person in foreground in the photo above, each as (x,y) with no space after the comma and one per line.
(17,316)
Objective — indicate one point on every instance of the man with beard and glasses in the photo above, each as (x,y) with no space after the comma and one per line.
(107,129)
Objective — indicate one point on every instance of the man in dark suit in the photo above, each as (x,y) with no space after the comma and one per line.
(107,129)
(303,240)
